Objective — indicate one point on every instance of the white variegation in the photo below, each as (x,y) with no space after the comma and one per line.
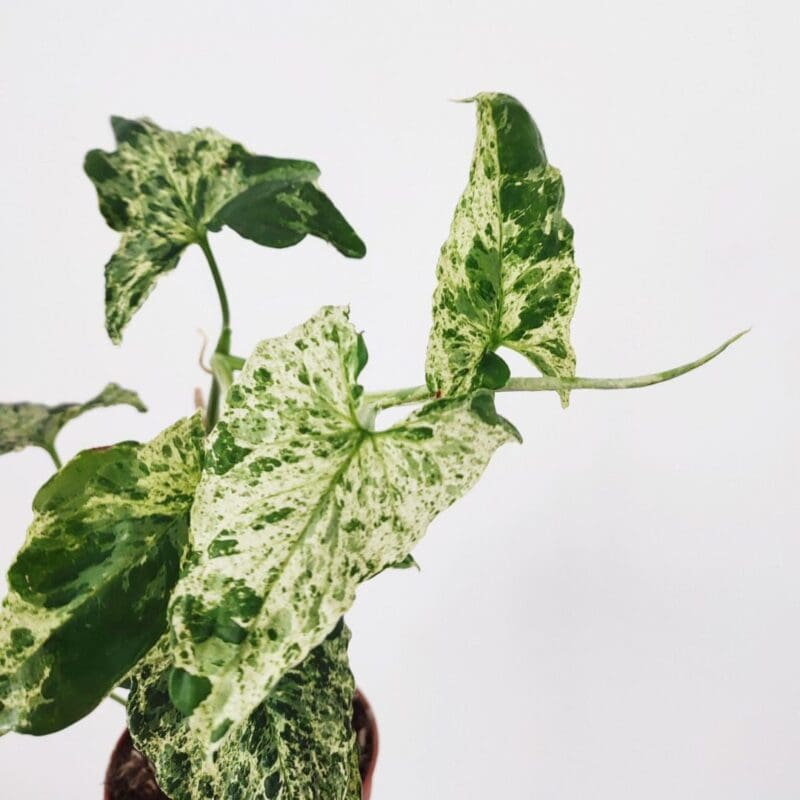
(165,190)
(298,744)
(299,503)
(506,275)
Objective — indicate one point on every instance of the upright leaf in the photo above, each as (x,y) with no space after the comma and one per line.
(506,275)
(163,191)
(88,592)
(297,744)
(33,424)
(298,504)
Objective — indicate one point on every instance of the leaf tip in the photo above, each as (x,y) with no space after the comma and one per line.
(722,348)
(357,248)
(114,331)
(124,128)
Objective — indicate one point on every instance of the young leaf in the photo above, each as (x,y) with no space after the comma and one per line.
(88,591)
(297,744)
(164,191)
(506,275)
(32,424)
(299,503)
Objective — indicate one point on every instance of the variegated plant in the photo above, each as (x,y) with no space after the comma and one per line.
(36,425)
(208,571)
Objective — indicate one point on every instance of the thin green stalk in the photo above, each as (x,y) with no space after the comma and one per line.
(51,451)
(220,286)
(118,699)
(420,394)
(224,342)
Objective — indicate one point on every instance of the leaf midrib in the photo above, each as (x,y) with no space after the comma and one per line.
(295,545)
(495,339)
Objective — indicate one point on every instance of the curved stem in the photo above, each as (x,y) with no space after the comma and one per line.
(220,286)
(52,452)
(224,343)
(639,381)
(419,394)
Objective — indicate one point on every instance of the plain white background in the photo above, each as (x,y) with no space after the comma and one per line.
(613,611)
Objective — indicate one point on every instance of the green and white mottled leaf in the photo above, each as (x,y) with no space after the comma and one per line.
(298,504)
(33,424)
(297,745)
(88,591)
(506,275)
(164,191)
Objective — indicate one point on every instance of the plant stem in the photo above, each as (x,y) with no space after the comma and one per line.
(222,371)
(224,342)
(220,286)
(118,699)
(419,394)
(398,397)
(51,451)
(230,362)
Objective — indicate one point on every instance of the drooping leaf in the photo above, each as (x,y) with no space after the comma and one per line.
(506,275)
(33,424)
(299,503)
(88,591)
(164,191)
(297,744)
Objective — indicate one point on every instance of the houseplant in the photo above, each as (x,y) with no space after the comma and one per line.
(207,571)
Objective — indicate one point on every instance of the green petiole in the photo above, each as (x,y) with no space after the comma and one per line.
(224,365)
(224,342)
(53,453)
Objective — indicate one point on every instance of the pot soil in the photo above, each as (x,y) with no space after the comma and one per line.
(130,775)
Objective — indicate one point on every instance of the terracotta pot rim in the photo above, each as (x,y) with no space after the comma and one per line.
(366,778)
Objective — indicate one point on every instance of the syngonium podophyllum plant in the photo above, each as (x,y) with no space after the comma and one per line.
(208,570)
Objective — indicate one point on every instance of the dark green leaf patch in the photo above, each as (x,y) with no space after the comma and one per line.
(89,589)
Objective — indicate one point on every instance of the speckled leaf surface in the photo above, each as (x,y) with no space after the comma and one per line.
(297,745)
(298,504)
(164,190)
(33,424)
(506,275)
(88,591)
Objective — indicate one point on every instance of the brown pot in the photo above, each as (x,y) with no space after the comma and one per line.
(130,775)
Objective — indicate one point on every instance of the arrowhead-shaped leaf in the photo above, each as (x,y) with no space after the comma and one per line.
(164,190)
(33,424)
(506,275)
(88,592)
(297,744)
(298,504)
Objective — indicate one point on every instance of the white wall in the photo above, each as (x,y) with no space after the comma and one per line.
(613,611)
